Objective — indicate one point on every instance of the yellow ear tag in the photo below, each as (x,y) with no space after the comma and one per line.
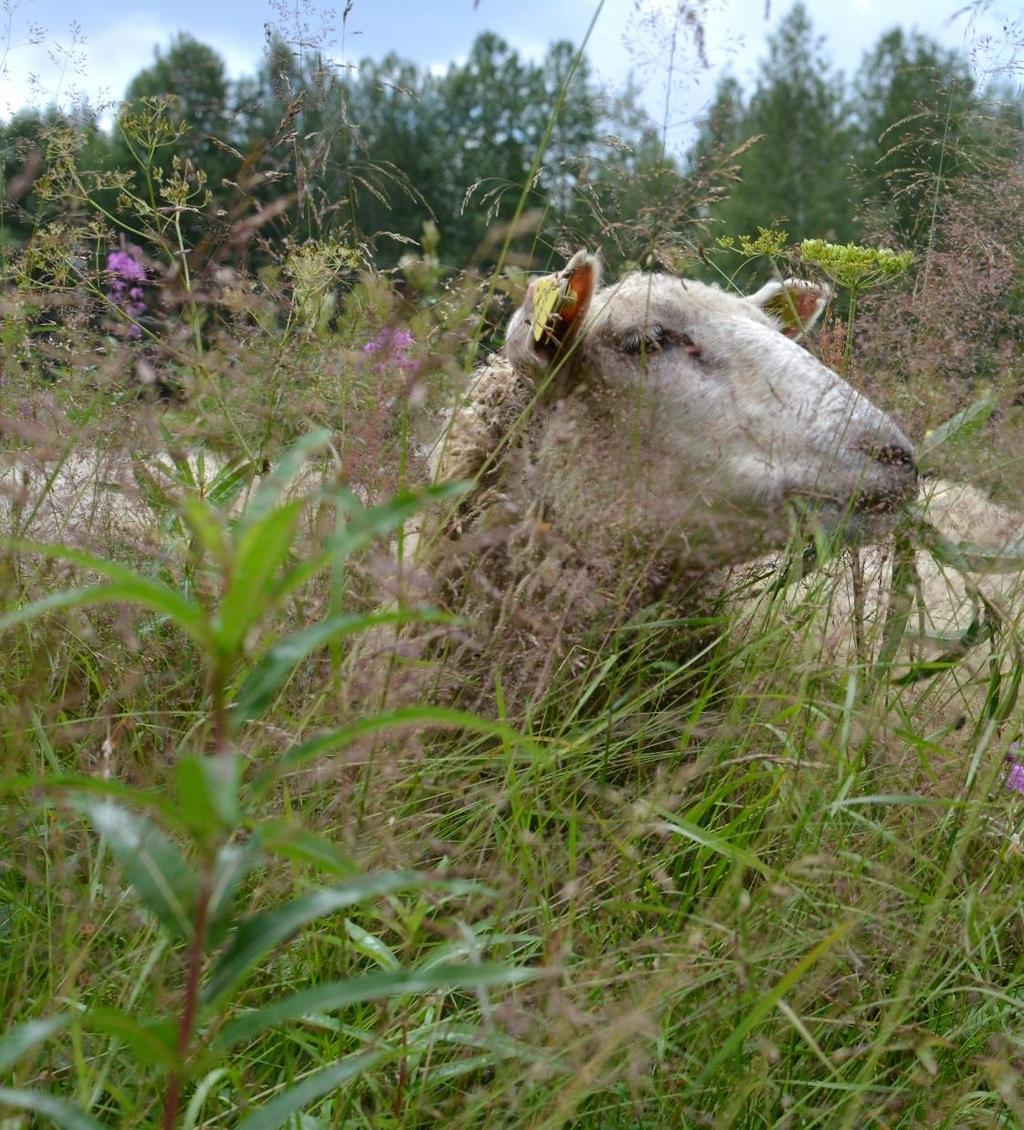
(548,299)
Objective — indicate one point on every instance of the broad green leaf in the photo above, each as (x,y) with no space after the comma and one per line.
(208,791)
(277,1112)
(24,1038)
(153,866)
(302,846)
(378,985)
(261,685)
(264,932)
(959,427)
(232,863)
(206,527)
(267,494)
(369,945)
(262,548)
(365,526)
(58,1112)
(426,717)
(125,587)
(152,1043)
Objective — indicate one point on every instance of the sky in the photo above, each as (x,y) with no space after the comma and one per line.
(59,50)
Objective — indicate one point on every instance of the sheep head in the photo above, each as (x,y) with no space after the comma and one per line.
(670,417)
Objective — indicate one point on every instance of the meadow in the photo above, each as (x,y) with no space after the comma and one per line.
(756,886)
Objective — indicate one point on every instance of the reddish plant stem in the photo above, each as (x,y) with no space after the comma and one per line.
(190,1005)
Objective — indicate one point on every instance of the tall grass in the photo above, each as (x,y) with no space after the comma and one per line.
(770,883)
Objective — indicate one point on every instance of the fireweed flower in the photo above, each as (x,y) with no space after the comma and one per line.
(390,349)
(126,277)
(1015,770)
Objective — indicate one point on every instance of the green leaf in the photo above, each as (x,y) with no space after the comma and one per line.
(364,527)
(266,496)
(378,985)
(208,791)
(959,427)
(153,866)
(25,1037)
(264,932)
(281,1109)
(369,945)
(435,717)
(261,685)
(151,1043)
(230,481)
(302,846)
(232,863)
(206,527)
(125,587)
(58,1112)
(262,548)
(680,826)
(367,525)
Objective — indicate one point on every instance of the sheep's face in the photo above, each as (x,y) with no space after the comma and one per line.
(702,415)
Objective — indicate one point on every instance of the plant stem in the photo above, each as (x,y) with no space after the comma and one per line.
(848,344)
(190,1004)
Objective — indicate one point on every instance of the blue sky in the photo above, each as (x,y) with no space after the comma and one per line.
(114,42)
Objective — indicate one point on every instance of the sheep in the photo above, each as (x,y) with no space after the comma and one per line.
(849,598)
(631,447)
(632,441)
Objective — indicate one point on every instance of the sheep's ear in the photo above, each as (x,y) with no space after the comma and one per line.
(554,309)
(795,304)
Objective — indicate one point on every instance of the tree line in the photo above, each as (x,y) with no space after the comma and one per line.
(500,150)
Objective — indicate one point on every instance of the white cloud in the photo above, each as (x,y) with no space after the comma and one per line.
(99,68)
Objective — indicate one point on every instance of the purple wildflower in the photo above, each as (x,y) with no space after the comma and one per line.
(126,275)
(394,346)
(1015,773)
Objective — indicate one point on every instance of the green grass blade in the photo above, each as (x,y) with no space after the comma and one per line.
(58,1112)
(277,1112)
(26,1036)
(427,717)
(766,1003)
(264,932)
(680,826)
(368,987)
(956,429)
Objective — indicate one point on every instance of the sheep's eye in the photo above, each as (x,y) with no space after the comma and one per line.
(647,340)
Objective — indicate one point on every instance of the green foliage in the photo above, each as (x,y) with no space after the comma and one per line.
(193,890)
(853,266)
(760,886)
(798,173)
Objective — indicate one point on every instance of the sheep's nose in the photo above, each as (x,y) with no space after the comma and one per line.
(900,467)
(894,455)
